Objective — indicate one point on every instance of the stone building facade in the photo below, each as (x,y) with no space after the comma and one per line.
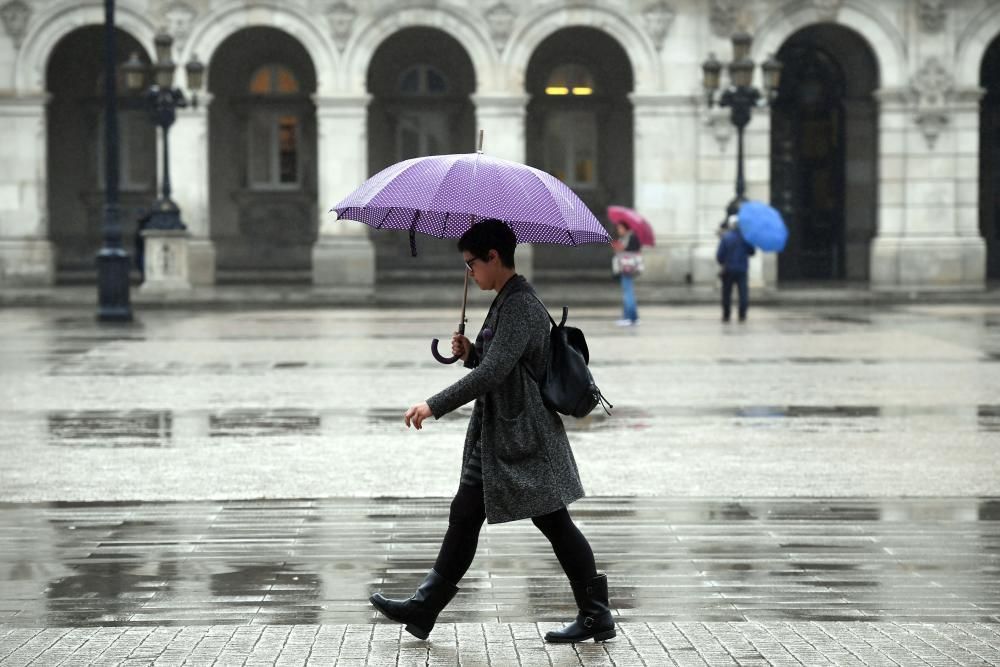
(882,147)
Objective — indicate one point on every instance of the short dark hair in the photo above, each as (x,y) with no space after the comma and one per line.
(490,234)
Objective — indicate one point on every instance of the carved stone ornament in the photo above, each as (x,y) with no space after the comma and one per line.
(931,89)
(931,15)
(827,10)
(723,15)
(341,17)
(659,17)
(179,17)
(500,19)
(15,16)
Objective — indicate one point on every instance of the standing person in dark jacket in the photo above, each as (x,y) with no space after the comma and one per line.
(517,462)
(733,254)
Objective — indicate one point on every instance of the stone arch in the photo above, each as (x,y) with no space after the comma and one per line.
(866,21)
(973,43)
(534,27)
(212,29)
(65,17)
(471,35)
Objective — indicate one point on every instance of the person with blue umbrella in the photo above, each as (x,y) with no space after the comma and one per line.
(750,225)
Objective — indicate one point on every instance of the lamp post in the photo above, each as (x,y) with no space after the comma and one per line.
(740,96)
(112,260)
(163,100)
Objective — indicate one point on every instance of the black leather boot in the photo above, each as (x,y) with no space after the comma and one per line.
(420,610)
(594,620)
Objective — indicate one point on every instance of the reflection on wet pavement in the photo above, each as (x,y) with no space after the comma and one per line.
(316,561)
(154,428)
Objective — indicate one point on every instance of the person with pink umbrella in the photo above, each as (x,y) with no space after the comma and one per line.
(632,232)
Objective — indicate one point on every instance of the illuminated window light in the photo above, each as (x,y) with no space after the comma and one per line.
(582,90)
(557,90)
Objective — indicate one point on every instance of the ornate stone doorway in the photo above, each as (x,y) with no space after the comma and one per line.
(262,157)
(75,145)
(989,159)
(579,128)
(824,175)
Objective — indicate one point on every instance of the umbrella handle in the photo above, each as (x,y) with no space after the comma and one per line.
(437,355)
(461,328)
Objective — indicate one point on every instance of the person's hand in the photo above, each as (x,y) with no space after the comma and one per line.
(460,346)
(617,245)
(417,414)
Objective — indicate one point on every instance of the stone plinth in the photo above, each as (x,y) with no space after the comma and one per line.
(343,259)
(26,262)
(166,260)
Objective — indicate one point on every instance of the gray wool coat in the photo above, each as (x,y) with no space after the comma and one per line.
(528,466)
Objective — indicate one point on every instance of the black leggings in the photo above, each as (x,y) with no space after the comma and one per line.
(468,512)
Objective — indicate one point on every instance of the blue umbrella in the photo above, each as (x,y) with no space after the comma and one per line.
(762,226)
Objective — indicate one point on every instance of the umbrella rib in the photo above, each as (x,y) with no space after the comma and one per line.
(388,212)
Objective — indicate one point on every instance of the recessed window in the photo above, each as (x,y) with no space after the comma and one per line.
(422,80)
(570,79)
(275,132)
(136,151)
(571,147)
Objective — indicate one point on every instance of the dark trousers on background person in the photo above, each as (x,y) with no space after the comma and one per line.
(468,512)
(738,278)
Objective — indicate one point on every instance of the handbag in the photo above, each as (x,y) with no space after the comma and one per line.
(627,263)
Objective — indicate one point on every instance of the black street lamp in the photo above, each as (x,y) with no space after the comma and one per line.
(163,100)
(740,96)
(112,259)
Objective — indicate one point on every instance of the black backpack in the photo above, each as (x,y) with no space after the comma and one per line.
(568,387)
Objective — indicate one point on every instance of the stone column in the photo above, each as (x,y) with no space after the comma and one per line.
(501,116)
(928,232)
(343,255)
(666,182)
(189,178)
(26,254)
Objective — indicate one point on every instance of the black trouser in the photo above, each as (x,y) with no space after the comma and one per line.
(468,512)
(739,278)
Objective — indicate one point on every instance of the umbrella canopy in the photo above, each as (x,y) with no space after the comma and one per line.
(762,226)
(444,195)
(631,219)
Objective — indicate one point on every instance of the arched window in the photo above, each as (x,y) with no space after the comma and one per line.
(422,80)
(570,149)
(275,131)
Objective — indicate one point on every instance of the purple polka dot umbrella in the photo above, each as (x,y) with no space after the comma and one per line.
(444,195)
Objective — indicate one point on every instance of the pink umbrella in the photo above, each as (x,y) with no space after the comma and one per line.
(634,221)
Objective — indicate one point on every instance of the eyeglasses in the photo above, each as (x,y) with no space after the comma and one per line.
(468,262)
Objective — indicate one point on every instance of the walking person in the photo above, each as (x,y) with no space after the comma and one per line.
(627,264)
(734,255)
(517,462)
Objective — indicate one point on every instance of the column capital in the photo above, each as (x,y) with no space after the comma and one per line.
(665,100)
(500,102)
(342,104)
(24,105)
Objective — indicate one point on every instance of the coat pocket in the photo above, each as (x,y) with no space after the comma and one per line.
(515,439)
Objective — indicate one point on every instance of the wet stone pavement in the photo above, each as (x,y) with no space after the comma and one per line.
(818,486)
